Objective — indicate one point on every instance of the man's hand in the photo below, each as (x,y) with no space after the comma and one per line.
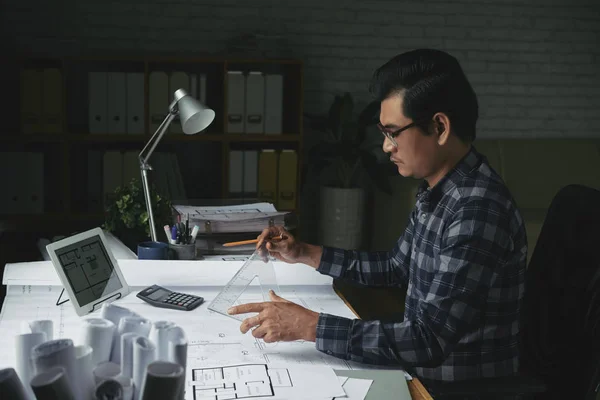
(279,320)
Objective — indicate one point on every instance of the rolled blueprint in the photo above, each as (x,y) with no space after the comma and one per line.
(178,346)
(114,314)
(11,386)
(164,381)
(52,384)
(23,345)
(40,325)
(84,369)
(105,371)
(159,335)
(144,352)
(109,390)
(140,326)
(127,340)
(60,352)
(127,385)
(98,334)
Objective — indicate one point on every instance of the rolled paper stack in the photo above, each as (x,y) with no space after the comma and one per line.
(114,314)
(11,386)
(144,353)
(41,325)
(116,348)
(98,334)
(164,381)
(105,371)
(109,390)
(24,343)
(52,384)
(53,353)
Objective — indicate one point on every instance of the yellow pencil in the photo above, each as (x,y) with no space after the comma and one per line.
(251,241)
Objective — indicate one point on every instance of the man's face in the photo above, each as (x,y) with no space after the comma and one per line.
(416,154)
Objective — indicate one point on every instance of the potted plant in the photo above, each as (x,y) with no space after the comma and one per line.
(126,216)
(348,162)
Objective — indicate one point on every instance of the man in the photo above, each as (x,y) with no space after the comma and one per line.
(462,256)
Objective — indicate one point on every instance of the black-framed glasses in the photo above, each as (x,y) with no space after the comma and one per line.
(394,134)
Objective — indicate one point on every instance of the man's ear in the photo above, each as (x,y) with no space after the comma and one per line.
(441,126)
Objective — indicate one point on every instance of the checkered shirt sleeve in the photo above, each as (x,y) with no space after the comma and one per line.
(472,243)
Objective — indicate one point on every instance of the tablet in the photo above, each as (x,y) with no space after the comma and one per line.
(88,270)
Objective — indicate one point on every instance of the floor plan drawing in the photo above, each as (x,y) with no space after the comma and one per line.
(238,382)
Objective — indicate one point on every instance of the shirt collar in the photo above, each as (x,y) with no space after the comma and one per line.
(429,197)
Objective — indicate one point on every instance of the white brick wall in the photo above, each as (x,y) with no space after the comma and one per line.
(534,64)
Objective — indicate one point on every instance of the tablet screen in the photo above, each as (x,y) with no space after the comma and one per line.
(89,269)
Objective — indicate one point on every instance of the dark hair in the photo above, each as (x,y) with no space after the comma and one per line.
(433,82)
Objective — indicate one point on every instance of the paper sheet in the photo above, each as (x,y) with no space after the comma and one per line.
(262,381)
(356,389)
(212,339)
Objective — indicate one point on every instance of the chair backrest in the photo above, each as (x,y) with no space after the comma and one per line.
(560,319)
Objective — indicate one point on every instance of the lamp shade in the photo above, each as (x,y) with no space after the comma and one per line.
(194,116)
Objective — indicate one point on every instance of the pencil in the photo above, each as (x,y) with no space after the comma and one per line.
(251,241)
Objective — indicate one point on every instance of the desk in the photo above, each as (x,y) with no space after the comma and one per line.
(39,282)
(416,388)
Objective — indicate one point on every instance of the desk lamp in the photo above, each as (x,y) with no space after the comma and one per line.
(194,117)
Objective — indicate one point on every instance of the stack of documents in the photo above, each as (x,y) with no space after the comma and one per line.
(241,218)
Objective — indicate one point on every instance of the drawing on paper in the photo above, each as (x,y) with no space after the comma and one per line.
(238,381)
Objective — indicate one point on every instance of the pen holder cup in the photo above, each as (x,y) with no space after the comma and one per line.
(183,251)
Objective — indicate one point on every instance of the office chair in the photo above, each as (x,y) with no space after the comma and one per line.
(560,318)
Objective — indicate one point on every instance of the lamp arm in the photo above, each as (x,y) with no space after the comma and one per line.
(145,167)
(173,110)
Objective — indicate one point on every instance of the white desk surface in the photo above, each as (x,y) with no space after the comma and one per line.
(214,339)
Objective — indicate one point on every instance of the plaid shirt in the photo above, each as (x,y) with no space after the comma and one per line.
(462,259)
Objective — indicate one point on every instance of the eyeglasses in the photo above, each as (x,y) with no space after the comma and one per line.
(394,134)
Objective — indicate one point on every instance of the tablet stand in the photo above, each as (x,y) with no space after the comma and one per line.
(58,302)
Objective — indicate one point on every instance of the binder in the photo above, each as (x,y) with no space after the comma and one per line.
(112,176)
(250,172)
(31,101)
(236,172)
(131,167)
(273,104)
(158,99)
(267,176)
(202,89)
(235,101)
(135,103)
(117,102)
(255,103)
(286,188)
(98,102)
(94,183)
(52,101)
(178,80)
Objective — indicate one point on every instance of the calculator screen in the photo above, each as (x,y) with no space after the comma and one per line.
(157,294)
(89,270)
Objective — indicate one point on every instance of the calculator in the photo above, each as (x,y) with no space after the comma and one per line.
(160,297)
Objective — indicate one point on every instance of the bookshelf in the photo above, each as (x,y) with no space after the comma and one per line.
(67,144)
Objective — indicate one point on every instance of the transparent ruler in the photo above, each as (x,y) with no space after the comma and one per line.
(254,267)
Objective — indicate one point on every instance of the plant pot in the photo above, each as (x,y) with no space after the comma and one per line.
(342,218)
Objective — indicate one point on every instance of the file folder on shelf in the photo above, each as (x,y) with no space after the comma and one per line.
(98,102)
(117,102)
(235,101)
(267,175)
(31,101)
(273,104)
(52,103)
(255,103)
(158,99)
(286,188)
(135,103)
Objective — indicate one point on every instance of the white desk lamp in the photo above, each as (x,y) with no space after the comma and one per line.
(194,117)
